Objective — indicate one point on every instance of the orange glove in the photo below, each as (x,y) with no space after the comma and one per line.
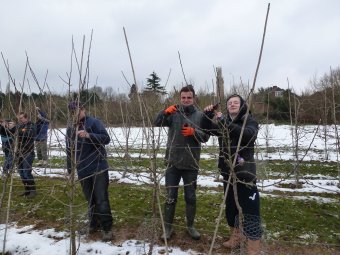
(171,109)
(188,131)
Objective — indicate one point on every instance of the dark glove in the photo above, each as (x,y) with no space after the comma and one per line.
(211,113)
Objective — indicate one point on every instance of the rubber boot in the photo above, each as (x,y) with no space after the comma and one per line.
(31,188)
(27,191)
(190,215)
(253,247)
(94,224)
(234,240)
(107,236)
(169,214)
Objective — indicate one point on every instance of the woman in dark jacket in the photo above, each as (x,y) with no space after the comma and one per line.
(237,166)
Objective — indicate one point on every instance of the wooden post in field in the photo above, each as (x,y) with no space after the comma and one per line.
(220,97)
(220,86)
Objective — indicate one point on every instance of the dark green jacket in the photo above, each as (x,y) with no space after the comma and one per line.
(183,152)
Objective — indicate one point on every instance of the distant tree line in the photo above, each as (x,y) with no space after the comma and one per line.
(320,103)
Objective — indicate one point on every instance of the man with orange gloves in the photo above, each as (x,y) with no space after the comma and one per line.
(182,157)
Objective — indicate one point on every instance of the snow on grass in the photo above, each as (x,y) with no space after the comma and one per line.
(29,241)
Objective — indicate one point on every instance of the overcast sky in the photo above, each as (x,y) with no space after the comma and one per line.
(302,41)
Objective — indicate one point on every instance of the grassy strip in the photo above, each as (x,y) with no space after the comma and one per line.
(283,218)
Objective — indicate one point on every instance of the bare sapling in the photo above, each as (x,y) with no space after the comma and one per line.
(126,119)
(325,129)
(16,145)
(232,173)
(73,120)
(152,148)
(335,85)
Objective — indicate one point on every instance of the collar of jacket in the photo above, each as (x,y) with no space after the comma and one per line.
(187,110)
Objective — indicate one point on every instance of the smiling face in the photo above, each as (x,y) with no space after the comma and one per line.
(233,106)
(187,98)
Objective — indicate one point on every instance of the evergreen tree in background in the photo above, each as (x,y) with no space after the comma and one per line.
(133,92)
(153,84)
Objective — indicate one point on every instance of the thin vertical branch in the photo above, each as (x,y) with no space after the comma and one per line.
(180,61)
(15,159)
(335,82)
(241,134)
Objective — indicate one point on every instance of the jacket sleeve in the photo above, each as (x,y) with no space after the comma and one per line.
(208,126)
(201,135)
(98,134)
(250,130)
(2,131)
(43,116)
(162,120)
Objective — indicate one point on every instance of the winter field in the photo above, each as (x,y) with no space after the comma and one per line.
(278,152)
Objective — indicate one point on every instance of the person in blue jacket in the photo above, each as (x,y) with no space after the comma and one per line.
(86,138)
(42,124)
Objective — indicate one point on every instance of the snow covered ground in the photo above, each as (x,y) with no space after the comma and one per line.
(28,240)
(312,142)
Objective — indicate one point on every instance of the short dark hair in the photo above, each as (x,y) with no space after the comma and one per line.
(73,105)
(188,88)
(23,113)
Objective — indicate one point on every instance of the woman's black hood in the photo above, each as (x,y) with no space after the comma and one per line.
(243,106)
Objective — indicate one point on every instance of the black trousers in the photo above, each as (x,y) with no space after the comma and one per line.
(95,189)
(249,200)
(173,176)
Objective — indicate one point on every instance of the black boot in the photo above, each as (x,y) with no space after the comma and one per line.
(190,215)
(27,191)
(169,214)
(32,190)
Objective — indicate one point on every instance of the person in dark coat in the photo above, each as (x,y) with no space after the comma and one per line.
(7,140)
(25,132)
(182,157)
(237,166)
(86,138)
(42,124)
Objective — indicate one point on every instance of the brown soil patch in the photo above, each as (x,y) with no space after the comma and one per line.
(182,239)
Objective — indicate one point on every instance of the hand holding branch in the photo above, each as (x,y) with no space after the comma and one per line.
(83,134)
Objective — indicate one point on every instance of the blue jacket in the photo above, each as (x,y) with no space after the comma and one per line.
(91,153)
(42,126)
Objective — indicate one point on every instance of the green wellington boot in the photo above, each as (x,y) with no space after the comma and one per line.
(190,215)
(169,214)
